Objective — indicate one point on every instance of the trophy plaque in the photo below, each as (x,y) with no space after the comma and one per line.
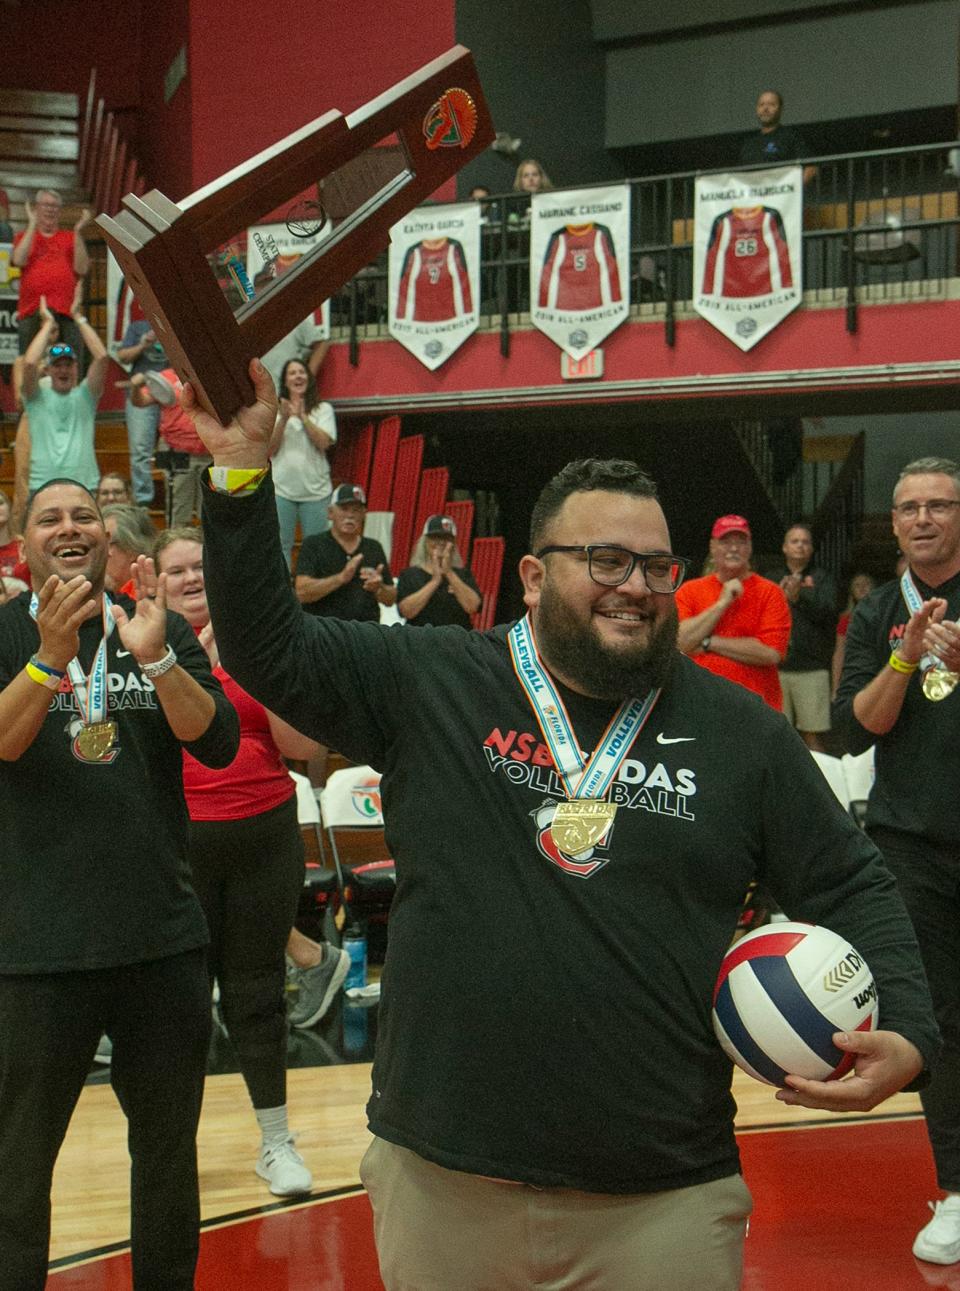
(320,204)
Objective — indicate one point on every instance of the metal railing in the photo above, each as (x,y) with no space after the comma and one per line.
(877,226)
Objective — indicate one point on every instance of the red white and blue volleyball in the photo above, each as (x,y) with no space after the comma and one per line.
(782,993)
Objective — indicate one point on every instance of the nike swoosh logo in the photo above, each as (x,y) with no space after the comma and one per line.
(123,654)
(674,739)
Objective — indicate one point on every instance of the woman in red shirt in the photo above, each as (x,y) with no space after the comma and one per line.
(248,863)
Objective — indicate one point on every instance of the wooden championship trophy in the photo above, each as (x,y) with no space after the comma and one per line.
(350,178)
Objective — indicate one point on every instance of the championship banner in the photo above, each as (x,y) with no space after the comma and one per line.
(747,251)
(272,251)
(9,294)
(580,265)
(433,280)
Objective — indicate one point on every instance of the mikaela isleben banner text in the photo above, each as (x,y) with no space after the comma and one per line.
(747,251)
(580,265)
(434,280)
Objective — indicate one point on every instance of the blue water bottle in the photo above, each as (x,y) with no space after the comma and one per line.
(355,944)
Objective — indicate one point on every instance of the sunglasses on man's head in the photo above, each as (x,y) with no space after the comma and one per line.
(61,352)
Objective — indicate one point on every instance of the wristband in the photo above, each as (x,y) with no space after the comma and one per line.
(236,480)
(43,675)
(80,320)
(900,665)
(156,669)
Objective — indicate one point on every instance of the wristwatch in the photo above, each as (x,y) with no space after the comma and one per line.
(705,643)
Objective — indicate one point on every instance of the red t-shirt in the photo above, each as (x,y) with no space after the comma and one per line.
(843,623)
(255,781)
(48,272)
(761,612)
(175,426)
(9,558)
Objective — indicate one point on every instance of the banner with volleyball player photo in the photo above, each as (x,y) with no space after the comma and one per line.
(434,280)
(273,250)
(580,265)
(747,251)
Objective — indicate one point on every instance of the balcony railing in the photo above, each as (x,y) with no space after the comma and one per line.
(878,226)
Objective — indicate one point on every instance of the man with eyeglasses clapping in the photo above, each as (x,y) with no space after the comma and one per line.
(901,667)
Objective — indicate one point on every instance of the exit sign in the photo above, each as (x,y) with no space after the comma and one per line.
(589,368)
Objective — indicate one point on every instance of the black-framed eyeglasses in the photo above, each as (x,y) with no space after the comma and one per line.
(938,509)
(610,566)
(61,352)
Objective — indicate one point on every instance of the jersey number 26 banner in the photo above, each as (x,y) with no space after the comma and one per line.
(747,245)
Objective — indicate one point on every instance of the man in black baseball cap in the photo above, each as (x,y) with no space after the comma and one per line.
(340,573)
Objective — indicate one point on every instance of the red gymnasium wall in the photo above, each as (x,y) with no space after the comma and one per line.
(258,72)
(52,46)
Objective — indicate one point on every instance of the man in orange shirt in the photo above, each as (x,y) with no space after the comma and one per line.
(733,622)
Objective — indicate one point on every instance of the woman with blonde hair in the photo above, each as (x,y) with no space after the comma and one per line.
(437,589)
(531,178)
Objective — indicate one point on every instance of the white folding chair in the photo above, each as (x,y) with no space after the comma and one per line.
(832,769)
(352,817)
(859,774)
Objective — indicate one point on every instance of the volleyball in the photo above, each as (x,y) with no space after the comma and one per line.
(782,993)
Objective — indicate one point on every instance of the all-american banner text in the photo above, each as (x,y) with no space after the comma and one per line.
(433,280)
(747,251)
(580,265)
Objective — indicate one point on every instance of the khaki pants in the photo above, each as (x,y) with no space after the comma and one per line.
(441,1230)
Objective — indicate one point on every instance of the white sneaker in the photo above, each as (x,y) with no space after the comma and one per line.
(283,1168)
(939,1241)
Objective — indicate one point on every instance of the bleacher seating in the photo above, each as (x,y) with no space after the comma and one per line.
(384,465)
(486,566)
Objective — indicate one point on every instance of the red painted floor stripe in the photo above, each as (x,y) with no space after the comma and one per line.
(836,1207)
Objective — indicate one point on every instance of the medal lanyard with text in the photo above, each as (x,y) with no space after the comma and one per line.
(579,780)
(914,603)
(90,690)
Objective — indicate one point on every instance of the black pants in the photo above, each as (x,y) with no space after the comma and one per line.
(248,875)
(929,880)
(158,1016)
(69,333)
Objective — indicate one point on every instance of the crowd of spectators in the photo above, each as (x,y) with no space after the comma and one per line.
(778,636)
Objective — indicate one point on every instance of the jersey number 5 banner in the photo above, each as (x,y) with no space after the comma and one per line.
(580,265)
(747,245)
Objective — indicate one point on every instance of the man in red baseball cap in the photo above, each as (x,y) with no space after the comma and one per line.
(732,621)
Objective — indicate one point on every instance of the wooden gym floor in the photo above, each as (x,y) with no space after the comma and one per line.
(837,1200)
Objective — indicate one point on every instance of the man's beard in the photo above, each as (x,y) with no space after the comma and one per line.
(576,652)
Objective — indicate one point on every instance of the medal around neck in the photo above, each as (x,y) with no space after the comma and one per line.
(581,823)
(333,189)
(96,740)
(939,682)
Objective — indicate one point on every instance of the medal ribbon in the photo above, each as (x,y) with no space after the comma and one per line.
(580,780)
(915,602)
(90,690)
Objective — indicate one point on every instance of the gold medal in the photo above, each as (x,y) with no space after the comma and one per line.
(939,682)
(581,823)
(96,740)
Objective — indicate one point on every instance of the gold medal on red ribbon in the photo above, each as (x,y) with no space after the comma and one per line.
(939,682)
(96,740)
(581,823)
